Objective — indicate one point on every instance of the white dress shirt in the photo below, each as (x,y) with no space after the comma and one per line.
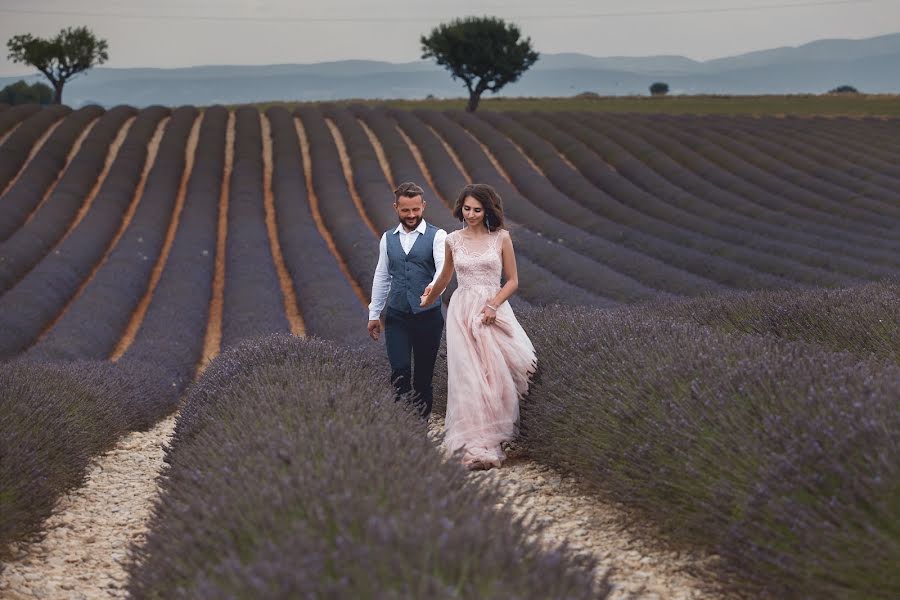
(381,283)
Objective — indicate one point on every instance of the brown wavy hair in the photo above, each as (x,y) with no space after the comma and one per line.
(490,201)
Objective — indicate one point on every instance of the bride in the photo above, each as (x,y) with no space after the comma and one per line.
(489,357)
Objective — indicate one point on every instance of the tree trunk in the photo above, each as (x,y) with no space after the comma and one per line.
(474,97)
(57,92)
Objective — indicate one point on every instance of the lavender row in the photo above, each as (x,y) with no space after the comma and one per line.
(862,319)
(659,175)
(375,191)
(764,180)
(872,144)
(49,223)
(537,285)
(55,418)
(94,321)
(326,299)
(575,258)
(620,200)
(254,303)
(843,164)
(293,473)
(551,204)
(28,308)
(14,115)
(612,213)
(172,332)
(803,171)
(42,171)
(352,238)
(807,195)
(783,162)
(740,202)
(683,209)
(15,150)
(779,457)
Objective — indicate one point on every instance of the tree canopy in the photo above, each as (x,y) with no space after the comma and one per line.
(485,52)
(22,93)
(659,88)
(72,51)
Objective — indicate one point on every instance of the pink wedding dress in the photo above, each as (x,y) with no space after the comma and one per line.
(488,366)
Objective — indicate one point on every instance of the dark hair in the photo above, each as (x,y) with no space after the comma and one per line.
(408,189)
(490,201)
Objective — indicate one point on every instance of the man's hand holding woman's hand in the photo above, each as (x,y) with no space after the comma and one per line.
(423,299)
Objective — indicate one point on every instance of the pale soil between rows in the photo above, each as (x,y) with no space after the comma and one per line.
(86,546)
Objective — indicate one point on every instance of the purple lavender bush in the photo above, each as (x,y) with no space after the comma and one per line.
(781,457)
(293,473)
(53,418)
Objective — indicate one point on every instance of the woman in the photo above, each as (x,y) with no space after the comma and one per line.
(489,357)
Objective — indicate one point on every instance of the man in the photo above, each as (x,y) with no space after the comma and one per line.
(410,257)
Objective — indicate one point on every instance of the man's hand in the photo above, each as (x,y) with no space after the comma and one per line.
(424,297)
(374,329)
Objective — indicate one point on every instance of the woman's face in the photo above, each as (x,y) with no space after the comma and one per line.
(472,211)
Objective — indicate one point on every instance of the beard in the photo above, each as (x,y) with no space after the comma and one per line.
(404,222)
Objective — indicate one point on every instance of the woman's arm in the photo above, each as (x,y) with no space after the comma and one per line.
(510,272)
(443,280)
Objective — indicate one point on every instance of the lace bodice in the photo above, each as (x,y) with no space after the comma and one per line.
(477,261)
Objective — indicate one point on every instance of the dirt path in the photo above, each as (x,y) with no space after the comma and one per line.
(83,553)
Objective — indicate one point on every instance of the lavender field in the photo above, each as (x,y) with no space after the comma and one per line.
(715,303)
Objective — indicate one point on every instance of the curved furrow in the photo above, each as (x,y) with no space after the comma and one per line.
(753,209)
(832,169)
(808,168)
(731,149)
(537,284)
(254,305)
(11,118)
(621,200)
(39,144)
(575,256)
(37,180)
(630,258)
(755,174)
(70,199)
(374,191)
(30,307)
(340,215)
(18,146)
(95,320)
(682,208)
(328,304)
(661,174)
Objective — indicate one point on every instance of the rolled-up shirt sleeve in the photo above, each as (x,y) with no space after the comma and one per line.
(381,283)
(438,246)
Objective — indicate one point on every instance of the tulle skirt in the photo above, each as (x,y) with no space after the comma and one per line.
(489,368)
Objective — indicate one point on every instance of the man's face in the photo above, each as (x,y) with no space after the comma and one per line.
(410,211)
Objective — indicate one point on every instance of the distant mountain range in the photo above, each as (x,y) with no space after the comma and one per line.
(871,65)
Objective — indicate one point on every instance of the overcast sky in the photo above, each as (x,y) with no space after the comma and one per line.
(170,33)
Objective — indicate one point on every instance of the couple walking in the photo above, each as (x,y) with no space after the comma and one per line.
(489,357)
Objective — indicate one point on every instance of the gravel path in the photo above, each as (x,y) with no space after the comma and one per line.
(86,544)
(83,552)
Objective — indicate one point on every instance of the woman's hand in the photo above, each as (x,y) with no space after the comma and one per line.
(488,314)
(423,299)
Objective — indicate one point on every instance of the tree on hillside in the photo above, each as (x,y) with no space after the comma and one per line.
(22,93)
(659,88)
(73,51)
(485,52)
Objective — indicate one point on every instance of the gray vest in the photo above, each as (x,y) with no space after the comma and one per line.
(410,273)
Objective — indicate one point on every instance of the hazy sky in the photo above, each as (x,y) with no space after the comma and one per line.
(168,33)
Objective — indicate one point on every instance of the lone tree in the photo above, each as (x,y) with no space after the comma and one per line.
(844,89)
(485,52)
(73,51)
(659,88)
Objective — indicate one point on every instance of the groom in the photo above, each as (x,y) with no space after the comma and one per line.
(409,258)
